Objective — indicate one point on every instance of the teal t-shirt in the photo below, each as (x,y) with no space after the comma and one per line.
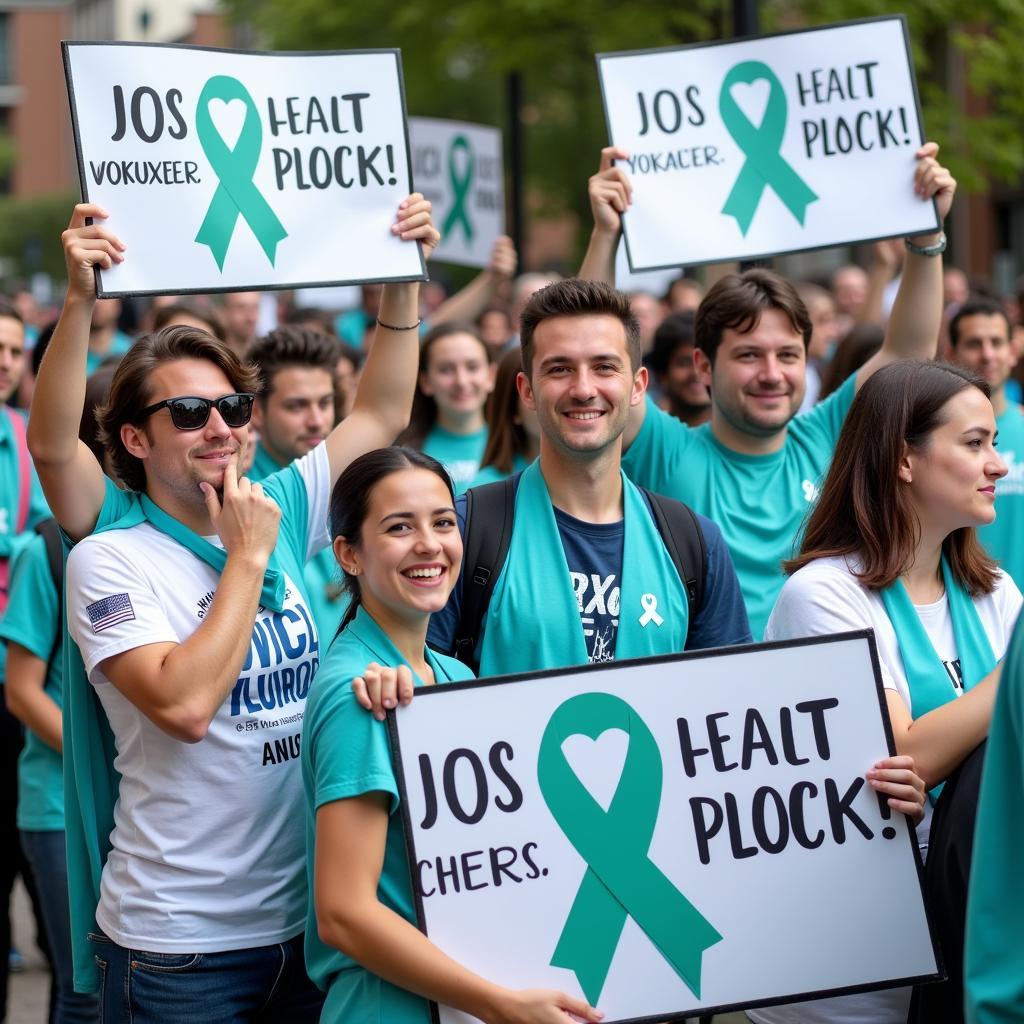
(321,573)
(759,502)
(460,454)
(32,620)
(327,602)
(10,493)
(994,950)
(1004,539)
(121,343)
(345,753)
(263,464)
(491,474)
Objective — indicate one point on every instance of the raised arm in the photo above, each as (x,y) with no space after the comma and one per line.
(380,410)
(886,261)
(468,303)
(350,842)
(72,479)
(610,192)
(913,328)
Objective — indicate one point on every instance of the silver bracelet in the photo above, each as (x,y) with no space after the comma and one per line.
(927,250)
(392,327)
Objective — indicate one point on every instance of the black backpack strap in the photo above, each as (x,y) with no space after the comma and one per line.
(50,532)
(684,541)
(489,513)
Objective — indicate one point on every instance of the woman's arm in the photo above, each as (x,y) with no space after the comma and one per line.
(27,700)
(350,841)
(941,739)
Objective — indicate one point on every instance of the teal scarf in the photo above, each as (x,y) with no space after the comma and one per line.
(930,685)
(533,620)
(365,629)
(91,783)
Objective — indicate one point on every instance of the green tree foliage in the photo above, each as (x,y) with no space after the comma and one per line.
(457,53)
(985,139)
(30,231)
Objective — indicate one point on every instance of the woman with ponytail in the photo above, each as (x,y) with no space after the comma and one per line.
(397,541)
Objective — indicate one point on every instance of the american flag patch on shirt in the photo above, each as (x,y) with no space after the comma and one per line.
(109,611)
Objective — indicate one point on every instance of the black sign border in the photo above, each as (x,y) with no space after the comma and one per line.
(858,634)
(760,257)
(102,293)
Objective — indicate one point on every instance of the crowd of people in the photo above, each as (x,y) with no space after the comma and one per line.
(267,505)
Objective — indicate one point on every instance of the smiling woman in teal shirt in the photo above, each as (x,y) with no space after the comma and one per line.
(396,538)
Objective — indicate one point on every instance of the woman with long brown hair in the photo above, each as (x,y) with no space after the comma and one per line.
(447,420)
(892,545)
(513,439)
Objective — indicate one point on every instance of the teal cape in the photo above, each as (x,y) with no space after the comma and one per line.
(91,783)
(994,947)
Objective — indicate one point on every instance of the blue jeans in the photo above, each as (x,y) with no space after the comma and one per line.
(44,852)
(265,985)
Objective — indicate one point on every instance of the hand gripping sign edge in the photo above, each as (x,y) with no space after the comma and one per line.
(620,881)
(236,192)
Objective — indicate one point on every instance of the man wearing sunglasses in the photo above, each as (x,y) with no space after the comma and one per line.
(187,605)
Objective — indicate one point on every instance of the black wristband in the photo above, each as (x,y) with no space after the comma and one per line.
(392,327)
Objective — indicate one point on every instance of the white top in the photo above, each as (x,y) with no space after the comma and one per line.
(825,597)
(207,848)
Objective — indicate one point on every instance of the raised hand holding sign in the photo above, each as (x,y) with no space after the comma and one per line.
(828,161)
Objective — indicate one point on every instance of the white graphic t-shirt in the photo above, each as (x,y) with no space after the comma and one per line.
(207,848)
(825,597)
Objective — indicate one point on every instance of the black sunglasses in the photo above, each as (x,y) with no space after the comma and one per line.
(191,412)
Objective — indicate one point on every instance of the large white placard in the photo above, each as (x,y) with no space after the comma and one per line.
(224,170)
(740,150)
(666,836)
(458,167)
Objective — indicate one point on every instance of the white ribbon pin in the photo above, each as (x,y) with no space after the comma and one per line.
(650,603)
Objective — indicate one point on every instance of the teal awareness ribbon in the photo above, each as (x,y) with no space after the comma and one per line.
(764,166)
(461,185)
(620,881)
(236,192)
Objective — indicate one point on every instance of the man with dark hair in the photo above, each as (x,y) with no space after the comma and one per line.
(563,596)
(106,338)
(980,339)
(671,362)
(756,467)
(240,316)
(188,610)
(294,412)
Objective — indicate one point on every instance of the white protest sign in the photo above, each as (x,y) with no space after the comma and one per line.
(224,170)
(654,281)
(777,144)
(458,167)
(666,836)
